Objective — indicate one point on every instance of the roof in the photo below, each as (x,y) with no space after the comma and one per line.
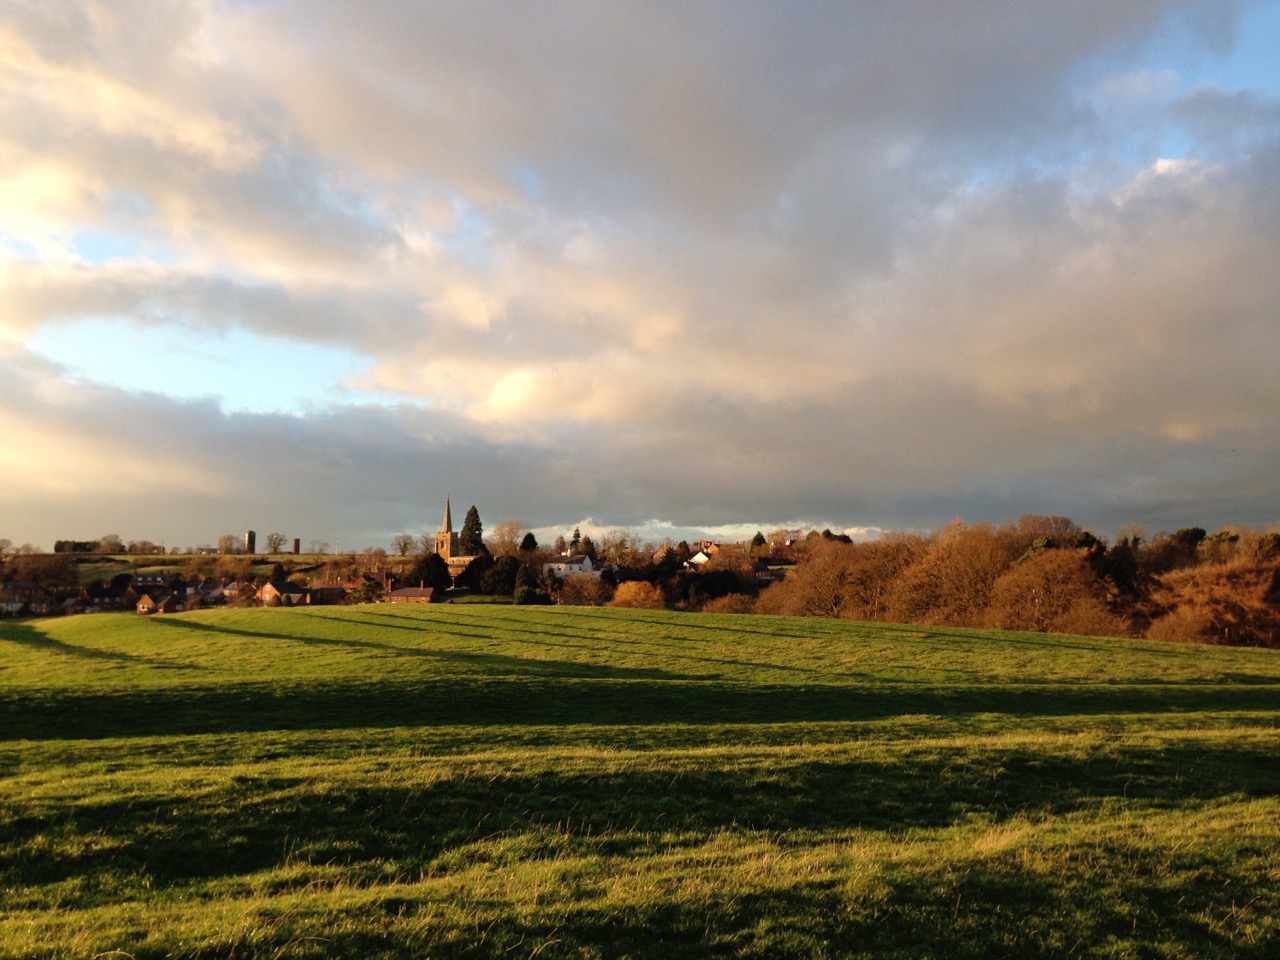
(288,586)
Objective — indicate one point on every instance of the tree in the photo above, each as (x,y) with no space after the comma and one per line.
(506,538)
(1055,589)
(49,572)
(402,543)
(473,576)
(471,538)
(430,570)
(639,595)
(227,543)
(529,543)
(368,592)
(274,542)
(5,546)
(579,590)
(758,542)
(952,582)
(111,543)
(576,541)
(624,549)
(529,587)
(500,579)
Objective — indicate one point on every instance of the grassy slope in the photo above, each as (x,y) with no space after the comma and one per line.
(495,781)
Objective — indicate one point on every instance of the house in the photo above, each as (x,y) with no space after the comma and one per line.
(240,593)
(327,596)
(569,564)
(766,576)
(20,596)
(413,595)
(160,603)
(283,594)
(101,596)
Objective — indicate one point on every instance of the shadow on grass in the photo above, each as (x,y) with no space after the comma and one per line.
(247,824)
(23,634)
(557,700)
(476,663)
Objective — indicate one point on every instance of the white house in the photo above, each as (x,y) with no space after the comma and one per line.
(569,564)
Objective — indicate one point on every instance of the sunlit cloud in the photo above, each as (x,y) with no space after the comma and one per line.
(861,266)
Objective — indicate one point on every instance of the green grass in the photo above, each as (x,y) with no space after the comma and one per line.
(492,781)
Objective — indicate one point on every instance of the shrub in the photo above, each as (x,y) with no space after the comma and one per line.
(731,603)
(1054,590)
(639,595)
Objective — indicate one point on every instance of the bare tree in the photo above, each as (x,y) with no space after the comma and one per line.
(274,542)
(402,543)
(624,548)
(228,543)
(507,536)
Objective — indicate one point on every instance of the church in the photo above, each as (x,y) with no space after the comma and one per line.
(447,544)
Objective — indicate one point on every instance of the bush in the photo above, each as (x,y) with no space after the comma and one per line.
(580,590)
(732,603)
(638,595)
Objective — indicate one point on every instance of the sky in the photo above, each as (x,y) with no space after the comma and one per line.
(678,268)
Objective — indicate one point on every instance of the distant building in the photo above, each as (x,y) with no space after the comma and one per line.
(570,564)
(413,595)
(447,539)
(250,541)
(297,546)
(283,594)
(448,545)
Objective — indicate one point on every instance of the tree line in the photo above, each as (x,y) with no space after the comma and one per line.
(1047,574)
(1040,573)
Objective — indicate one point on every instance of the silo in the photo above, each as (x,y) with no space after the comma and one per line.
(297,545)
(250,541)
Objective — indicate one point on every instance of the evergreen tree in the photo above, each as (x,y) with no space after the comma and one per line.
(472,578)
(529,543)
(471,539)
(529,587)
(430,570)
(500,579)
(576,541)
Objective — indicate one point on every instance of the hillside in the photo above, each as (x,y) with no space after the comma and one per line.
(493,781)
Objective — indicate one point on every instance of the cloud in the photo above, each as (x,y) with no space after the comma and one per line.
(871,265)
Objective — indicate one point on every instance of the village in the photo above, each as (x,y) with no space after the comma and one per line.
(460,564)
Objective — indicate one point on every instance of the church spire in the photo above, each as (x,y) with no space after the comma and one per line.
(448,517)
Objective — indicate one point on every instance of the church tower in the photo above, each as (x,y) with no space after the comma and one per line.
(446,539)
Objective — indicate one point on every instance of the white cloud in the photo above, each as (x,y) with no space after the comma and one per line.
(871,265)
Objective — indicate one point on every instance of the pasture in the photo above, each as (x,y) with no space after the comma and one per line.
(494,781)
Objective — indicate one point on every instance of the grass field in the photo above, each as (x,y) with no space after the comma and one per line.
(490,781)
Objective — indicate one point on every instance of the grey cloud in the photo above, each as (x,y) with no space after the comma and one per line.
(892,270)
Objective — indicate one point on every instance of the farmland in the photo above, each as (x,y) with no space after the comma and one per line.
(491,781)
